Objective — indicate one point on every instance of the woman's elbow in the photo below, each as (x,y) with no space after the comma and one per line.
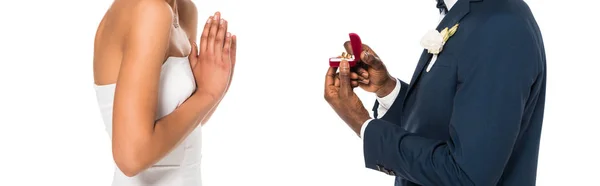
(129,163)
(129,169)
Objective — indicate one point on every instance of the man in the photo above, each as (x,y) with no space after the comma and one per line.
(472,113)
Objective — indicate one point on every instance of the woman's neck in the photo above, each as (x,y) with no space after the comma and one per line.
(172,2)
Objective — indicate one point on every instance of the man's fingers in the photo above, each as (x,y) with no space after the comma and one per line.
(348,47)
(355,79)
(370,59)
(337,81)
(369,49)
(345,86)
(362,73)
(353,76)
(362,80)
(330,77)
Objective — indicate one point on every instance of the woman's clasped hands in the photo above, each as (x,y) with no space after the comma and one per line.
(214,60)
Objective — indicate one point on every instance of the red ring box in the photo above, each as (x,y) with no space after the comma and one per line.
(356,50)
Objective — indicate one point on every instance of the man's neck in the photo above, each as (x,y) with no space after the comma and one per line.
(449,3)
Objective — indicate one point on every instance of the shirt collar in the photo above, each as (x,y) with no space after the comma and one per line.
(449,3)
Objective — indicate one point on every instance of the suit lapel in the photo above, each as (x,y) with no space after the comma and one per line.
(458,11)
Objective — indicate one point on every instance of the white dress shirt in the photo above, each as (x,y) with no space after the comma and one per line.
(385,103)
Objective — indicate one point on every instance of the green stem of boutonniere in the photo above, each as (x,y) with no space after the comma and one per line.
(453,30)
(447,33)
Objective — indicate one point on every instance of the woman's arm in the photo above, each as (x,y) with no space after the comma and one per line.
(138,141)
(232,54)
(188,13)
(207,116)
(189,22)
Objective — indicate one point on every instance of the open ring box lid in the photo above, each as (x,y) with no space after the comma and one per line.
(356,51)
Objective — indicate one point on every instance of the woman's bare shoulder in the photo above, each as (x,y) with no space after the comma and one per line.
(128,27)
(124,17)
(151,9)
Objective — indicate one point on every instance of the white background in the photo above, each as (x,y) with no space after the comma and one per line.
(274,128)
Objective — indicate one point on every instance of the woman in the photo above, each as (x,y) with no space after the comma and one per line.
(153,92)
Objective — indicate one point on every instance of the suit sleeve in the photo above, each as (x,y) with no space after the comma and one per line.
(393,102)
(494,81)
(385,103)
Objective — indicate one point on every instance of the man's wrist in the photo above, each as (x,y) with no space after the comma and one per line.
(387,88)
(359,124)
(364,127)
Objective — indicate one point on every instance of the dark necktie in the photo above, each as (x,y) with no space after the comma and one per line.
(442,6)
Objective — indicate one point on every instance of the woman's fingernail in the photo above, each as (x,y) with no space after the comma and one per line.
(216,17)
(228,34)
(209,19)
(222,20)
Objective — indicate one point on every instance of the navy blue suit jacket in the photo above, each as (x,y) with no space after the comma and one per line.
(476,117)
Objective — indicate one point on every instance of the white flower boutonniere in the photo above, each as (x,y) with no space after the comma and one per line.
(434,41)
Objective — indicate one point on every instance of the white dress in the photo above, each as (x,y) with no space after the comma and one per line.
(181,167)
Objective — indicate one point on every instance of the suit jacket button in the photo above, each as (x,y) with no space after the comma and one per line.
(391,173)
(383,169)
(386,171)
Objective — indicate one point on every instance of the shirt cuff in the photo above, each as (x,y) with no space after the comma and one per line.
(386,102)
(363,127)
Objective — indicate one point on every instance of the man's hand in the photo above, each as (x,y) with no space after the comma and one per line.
(343,100)
(371,72)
